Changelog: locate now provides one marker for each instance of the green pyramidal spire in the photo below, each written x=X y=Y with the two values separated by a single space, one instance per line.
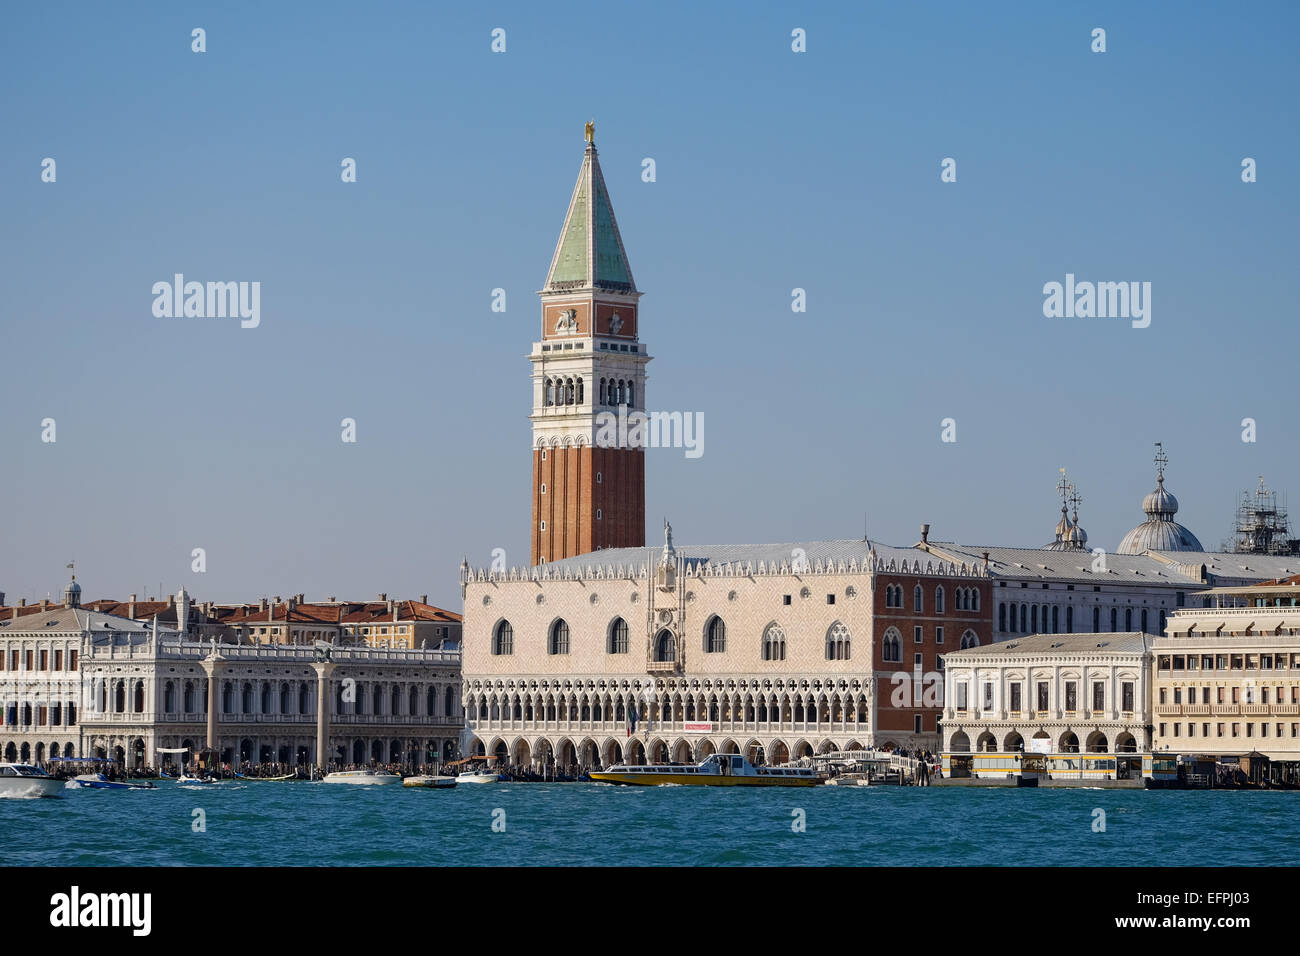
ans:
x=590 y=252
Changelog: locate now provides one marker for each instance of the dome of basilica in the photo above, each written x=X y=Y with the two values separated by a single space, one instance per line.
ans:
x=1160 y=532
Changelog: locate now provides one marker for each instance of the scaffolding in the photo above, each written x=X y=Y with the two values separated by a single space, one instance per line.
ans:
x=1262 y=525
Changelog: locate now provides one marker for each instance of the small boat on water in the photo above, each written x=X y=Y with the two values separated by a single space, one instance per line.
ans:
x=478 y=776
x=187 y=778
x=23 y=781
x=97 y=781
x=849 y=780
x=287 y=776
x=364 y=777
x=715 y=770
x=430 y=782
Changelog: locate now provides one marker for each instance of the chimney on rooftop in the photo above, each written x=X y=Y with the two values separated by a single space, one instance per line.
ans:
x=333 y=599
x=261 y=606
x=22 y=602
x=383 y=596
x=986 y=560
x=45 y=602
x=130 y=608
x=277 y=599
x=925 y=534
x=301 y=597
x=2 y=598
x=424 y=599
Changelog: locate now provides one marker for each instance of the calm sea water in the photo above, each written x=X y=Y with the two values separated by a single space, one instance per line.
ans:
x=260 y=824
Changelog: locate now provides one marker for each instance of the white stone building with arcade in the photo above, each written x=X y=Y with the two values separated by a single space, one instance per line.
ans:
x=774 y=651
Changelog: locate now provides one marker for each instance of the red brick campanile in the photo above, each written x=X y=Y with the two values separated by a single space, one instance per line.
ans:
x=588 y=375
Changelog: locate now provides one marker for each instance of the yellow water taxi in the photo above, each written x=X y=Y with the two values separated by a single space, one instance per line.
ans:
x=716 y=770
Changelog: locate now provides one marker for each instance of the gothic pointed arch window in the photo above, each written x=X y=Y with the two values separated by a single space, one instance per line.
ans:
x=773 y=643
x=918 y=599
x=837 y=642
x=969 y=639
x=630 y=399
x=891 y=645
x=559 y=639
x=618 y=636
x=938 y=599
x=503 y=639
x=580 y=398
x=715 y=636
x=568 y=391
x=665 y=646
x=973 y=599
x=550 y=392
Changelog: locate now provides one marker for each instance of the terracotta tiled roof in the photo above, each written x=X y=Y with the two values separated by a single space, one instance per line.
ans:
x=340 y=612
x=378 y=611
x=336 y=612
x=1282 y=582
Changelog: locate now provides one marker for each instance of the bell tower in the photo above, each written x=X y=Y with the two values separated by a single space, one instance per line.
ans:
x=588 y=373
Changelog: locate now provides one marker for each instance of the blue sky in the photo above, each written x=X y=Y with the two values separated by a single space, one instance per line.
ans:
x=775 y=170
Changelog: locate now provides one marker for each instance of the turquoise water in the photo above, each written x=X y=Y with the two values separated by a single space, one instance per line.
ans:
x=290 y=824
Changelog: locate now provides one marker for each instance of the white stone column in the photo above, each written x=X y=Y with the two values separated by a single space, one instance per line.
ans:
x=323 y=671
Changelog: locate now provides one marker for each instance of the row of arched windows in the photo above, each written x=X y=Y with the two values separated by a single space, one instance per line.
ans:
x=617 y=392
x=965 y=599
x=296 y=698
x=715 y=640
x=764 y=708
x=891 y=645
x=564 y=391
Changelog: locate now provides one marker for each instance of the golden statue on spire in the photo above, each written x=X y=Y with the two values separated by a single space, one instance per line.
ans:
x=590 y=132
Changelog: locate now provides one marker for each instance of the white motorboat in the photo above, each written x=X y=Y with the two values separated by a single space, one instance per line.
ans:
x=23 y=781
x=478 y=776
x=187 y=778
x=430 y=782
x=363 y=777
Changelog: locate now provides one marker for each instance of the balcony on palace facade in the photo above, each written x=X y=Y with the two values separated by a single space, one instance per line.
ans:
x=271 y=653
x=232 y=719
x=675 y=726
x=1228 y=710
x=661 y=667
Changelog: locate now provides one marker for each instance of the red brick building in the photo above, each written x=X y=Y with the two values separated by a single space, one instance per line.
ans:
x=916 y=618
